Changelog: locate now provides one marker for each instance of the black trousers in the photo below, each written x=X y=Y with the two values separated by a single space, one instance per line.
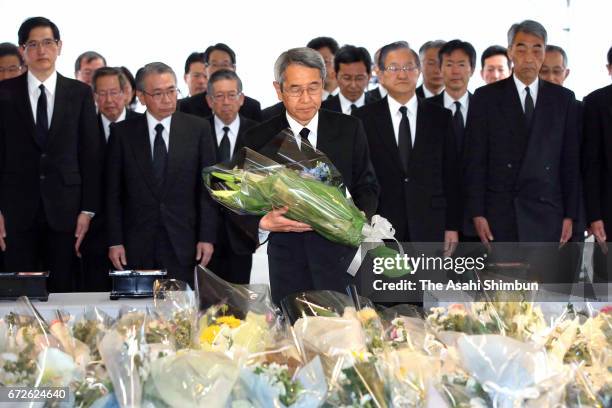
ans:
x=40 y=248
x=95 y=263
x=231 y=267
x=164 y=257
x=307 y=261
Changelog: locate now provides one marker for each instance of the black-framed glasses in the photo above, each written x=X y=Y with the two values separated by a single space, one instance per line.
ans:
x=47 y=43
x=394 y=69
x=109 y=94
x=158 y=95
x=11 y=69
x=298 y=91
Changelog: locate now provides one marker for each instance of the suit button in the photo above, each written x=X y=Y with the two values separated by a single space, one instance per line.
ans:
x=162 y=206
x=44 y=155
x=42 y=176
x=509 y=165
x=547 y=168
x=542 y=199
x=406 y=180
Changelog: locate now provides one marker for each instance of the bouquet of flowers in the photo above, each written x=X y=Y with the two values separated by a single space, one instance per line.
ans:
x=175 y=303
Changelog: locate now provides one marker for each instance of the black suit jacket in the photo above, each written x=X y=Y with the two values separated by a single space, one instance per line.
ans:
x=197 y=105
x=333 y=103
x=135 y=205
x=373 y=95
x=439 y=99
x=424 y=201
x=524 y=181
x=63 y=175
x=240 y=231
x=271 y=111
x=129 y=114
x=419 y=91
x=597 y=161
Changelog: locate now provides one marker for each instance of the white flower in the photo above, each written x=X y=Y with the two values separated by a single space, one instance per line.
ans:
x=12 y=357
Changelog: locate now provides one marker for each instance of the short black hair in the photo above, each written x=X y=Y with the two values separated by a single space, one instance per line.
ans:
x=492 y=51
x=398 y=45
x=322 y=42
x=87 y=56
x=220 y=75
x=108 y=71
x=454 y=45
x=130 y=78
x=610 y=56
x=7 y=49
x=348 y=54
x=193 y=58
x=219 y=47
x=556 y=48
x=33 y=22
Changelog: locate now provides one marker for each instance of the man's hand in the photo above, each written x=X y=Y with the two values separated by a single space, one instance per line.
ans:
x=204 y=251
x=81 y=229
x=483 y=231
x=276 y=222
x=451 y=239
x=566 y=232
x=117 y=256
x=599 y=232
x=2 y=233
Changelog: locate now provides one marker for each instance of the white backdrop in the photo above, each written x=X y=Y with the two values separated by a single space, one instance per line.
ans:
x=132 y=33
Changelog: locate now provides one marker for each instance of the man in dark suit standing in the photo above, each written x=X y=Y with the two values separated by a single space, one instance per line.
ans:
x=218 y=56
x=236 y=241
x=353 y=67
x=522 y=151
x=108 y=84
x=49 y=161
x=159 y=213
x=433 y=83
x=300 y=259
x=413 y=151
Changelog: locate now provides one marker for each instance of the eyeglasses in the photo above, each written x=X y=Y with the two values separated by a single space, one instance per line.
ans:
x=47 y=43
x=221 y=65
x=230 y=96
x=394 y=69
x=158 y=95
x=297 y=91
x=109 y=94
x=13 y=69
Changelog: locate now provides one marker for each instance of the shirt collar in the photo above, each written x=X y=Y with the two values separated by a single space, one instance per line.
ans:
x=520 y=86
x=345 y=104
x=34 y=83
x=394 y=105
x=234 y=126
x=450 y=102
x=383 y=91
x=296 y=127
x=106 y=121
x=152 y=122
x=428 y=93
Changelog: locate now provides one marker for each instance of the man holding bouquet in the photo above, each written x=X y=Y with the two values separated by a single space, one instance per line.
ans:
x=300 y=259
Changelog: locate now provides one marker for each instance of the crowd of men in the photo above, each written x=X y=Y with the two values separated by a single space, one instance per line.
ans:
x=87 y=184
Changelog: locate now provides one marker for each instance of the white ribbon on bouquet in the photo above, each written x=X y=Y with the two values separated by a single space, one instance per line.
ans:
x=375 y=232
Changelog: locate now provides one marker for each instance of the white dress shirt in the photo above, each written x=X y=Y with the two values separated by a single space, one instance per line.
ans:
x=326 y=94
x=449 y=103
x=296 y=128
x=234 y=127
x=34 y=93
x=383 y=91
x=345 y=104
x=152 y=122
x=396 y=115
x=533 y=90
x=107 y=122
x=428 y=93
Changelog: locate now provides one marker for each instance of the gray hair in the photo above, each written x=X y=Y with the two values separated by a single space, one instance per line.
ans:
x=527 y=27
x=152 y=68
x=221 y=75
x=394 y=46
x=108 y=71
x=304 y=56
x=437 y=44
x=556 y=48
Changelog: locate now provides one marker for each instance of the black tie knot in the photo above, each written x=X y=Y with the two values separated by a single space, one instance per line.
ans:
x=225 y=130
x=159 y=128
x=304 y=133
x=41 y=87
x=403 y=110
x=353 y=107
x=457 y=106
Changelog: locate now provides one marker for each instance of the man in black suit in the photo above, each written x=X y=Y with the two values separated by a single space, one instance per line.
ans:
x=554 y=68
x=195 y=76
x=300 y=259
x=271 y=111
x=49 y=161
x=236 y=241
x=218 y=56
x=522 y=150
x=353 y=67
x=413 y=151
x=433 y=83
x=327 y=47
x=457 y=64
x=11 y=62
x=108 y=84
x=379 y=92
x=159 y=213
x=495 y=64
x=86 y=64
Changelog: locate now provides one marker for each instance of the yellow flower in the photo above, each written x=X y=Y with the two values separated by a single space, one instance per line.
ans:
x=366 y=314
x=209 y=334
x=231 y=321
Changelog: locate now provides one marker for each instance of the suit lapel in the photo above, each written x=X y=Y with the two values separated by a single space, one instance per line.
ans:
x=178 y=149
x=62 y=99
x=513 y=111
x=141 y=148
x=24 y=107
x=420 y=130
x=386 y=131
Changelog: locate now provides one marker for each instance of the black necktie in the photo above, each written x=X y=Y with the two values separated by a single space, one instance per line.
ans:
x=306 y=143
x=404 y=138
x=353 y=108
x=224 y=147
x=160 y=155
x=529 y=108
x=459 y=125
x=42 y=122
